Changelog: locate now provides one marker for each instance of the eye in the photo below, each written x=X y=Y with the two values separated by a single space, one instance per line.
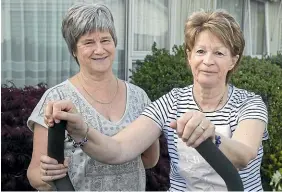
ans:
x=105 y=41
x=88 y=43
x=219 y=53
x=200 y=51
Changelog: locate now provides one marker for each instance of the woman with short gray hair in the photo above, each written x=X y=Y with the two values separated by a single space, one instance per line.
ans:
x=104 y=101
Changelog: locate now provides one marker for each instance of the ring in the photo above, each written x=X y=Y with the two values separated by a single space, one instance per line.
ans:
x=203 y=127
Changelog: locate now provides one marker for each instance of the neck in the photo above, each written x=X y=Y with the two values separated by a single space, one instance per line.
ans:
x=209 y=98
x=100 y=81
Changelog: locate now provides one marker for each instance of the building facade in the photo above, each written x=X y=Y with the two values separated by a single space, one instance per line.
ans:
x=34 y=51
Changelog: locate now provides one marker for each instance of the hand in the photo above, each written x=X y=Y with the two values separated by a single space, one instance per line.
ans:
x=56 y=111
x=50 y=170
x=193 y=128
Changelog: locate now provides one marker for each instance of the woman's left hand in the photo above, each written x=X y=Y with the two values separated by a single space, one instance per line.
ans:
x=193 y=128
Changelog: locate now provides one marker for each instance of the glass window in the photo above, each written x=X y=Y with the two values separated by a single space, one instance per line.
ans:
x=258 y=28
x=151 y=20
x=33 y=49
x=234 y=7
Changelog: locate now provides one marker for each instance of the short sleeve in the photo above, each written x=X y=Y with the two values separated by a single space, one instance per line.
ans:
x=146 y=100
x=255 y=108
x=37 y=115
x=161 y=109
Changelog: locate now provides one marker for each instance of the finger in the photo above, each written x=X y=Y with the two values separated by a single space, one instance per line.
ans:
x=52 y=178
x=199 y=130
x=48 y=114
x=48 y=160
x=66 y=161
x=182 y=121
x=67 y=116
x=54 y=172
x=209 y=133
x=191 y=125
x=173 y=124
x=64 y=105
x=48 y=167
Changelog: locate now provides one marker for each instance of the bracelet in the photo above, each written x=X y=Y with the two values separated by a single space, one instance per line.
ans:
x=82 y=142
x=217 y=140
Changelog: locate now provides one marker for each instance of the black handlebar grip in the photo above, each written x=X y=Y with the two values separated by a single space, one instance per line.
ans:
x=219 y=162
x=56 y=137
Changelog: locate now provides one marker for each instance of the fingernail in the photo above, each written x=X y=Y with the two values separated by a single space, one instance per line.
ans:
x=57 y=121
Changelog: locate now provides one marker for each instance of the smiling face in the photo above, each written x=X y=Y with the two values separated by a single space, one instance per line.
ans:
x=210 y=60
x=95 y=52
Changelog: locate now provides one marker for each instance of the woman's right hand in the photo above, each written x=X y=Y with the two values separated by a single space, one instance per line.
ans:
x=56 y=111
x=51 y=170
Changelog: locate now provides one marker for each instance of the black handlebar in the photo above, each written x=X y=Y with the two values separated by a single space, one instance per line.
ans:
x=56 y=137
x=219 y=162
x=207 y=149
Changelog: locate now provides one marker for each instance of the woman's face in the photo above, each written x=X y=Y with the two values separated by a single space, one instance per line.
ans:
x=210 y=60
x=96 y=52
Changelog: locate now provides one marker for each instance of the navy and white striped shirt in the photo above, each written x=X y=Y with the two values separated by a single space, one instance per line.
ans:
x=241 y=105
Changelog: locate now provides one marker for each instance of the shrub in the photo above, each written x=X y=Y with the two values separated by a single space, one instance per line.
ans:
x=17 y=105
x=275 y=59
x=162 y=71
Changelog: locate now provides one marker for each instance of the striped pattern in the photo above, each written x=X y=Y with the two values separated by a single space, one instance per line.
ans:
x=241 y=105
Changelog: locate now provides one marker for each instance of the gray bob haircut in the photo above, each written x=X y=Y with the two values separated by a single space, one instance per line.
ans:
x=83 y=18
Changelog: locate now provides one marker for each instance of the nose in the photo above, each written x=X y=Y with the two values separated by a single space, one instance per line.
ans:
x=98 y=48
x=208 y=59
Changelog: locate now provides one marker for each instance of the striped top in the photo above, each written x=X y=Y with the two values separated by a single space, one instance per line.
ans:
x=195 y=173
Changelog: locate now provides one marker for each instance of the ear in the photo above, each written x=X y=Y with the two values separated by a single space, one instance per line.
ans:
x=234 y=61
x=73 y=54
x=188 y=53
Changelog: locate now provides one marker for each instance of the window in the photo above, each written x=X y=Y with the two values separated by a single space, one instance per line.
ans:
x=150 y=24
x=258 y=28
x=33 y=50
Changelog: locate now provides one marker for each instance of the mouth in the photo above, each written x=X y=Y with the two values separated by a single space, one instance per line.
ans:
x=99 y=59
x=208 y=72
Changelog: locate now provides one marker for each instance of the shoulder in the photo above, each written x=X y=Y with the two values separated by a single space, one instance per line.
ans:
x=178 y=93
x=58 y=91
x=242 y=97
x=134 y=87
x=135 y=90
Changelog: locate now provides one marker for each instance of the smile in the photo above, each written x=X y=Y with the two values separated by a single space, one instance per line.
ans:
x=99 y=59
x=209 y=72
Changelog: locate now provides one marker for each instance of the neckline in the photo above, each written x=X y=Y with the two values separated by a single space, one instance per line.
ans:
x=74 y=88
x=229 y=95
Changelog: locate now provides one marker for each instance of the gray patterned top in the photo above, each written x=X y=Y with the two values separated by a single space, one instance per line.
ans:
x=86 y=173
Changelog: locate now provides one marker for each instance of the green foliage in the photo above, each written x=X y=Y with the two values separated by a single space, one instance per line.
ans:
x=275 y=59
x=162 y=71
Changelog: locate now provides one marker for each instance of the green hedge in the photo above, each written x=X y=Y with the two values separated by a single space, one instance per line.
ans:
x=162 y=71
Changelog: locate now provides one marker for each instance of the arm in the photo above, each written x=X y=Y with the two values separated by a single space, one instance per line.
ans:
x=124 y=146
x=39 y=146
x=150 y=157
x=39 y=161
x=245 y=142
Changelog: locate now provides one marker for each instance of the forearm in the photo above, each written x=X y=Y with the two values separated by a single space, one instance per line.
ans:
x=33 y=175
x=238 y=153
x=101 y=147
x=124 y=146
x=150 y=157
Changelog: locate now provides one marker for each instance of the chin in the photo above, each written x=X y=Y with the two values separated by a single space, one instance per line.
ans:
x=208 y=83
